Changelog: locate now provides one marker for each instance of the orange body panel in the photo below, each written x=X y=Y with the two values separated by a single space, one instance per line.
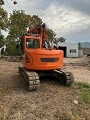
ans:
x=35 y=57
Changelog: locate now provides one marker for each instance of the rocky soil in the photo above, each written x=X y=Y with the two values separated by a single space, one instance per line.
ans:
x=50 y=102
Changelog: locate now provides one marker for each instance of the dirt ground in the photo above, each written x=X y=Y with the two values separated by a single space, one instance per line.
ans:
x=50 y=102
x=80 y=67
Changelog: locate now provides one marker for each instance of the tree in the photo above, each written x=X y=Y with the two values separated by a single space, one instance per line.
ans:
x=3 y=19
x=79 y=46
x=11 y=49
x=51 y=34
x=1 y=2
x=3 y=22
x=61 y=39
x=35 y=20
x=2 y=41
x=18 y=22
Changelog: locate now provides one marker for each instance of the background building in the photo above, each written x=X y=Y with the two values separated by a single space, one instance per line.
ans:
x=70 y=49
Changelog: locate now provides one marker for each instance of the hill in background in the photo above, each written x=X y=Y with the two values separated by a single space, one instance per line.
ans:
x=85 y=44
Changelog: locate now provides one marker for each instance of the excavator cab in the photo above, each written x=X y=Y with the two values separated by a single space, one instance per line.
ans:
x=38 y=57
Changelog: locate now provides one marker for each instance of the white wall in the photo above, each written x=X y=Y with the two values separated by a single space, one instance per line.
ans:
x=80 y=53
x=69 y=46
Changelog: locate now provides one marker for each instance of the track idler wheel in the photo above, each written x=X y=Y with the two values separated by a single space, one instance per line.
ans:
x=66 y=79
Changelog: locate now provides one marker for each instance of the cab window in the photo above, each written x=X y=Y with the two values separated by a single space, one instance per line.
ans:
x=32 y=43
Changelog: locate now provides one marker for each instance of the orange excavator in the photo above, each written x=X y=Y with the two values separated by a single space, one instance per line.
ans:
x=40 y=59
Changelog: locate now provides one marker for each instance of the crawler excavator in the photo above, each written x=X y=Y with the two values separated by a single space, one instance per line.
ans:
x=39 y=59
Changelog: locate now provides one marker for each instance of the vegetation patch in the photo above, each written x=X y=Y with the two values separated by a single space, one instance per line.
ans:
x=85 y=91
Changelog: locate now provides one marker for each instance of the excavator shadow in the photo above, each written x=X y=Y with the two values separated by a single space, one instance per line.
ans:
x=49 y=80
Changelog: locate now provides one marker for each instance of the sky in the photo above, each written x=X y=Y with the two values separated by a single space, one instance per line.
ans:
x=67 y=18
